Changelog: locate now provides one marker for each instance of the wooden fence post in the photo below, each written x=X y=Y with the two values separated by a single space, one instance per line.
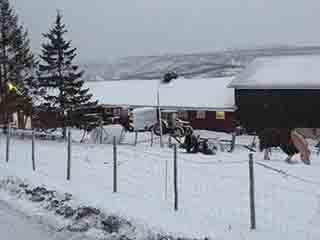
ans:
x=175 y=177
x=233 y=142
x=114 y=164
x=33 y=151
x=252 y=194
x=136 y=138
x=69 y=156
x=8 y=143
x=101 y=132
x=151 y=132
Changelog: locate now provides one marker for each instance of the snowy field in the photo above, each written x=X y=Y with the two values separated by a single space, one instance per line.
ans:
x=213 y=190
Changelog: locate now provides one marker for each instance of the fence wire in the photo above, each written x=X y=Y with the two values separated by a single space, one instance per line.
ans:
x=166 y=156
x=214 y=163
x=287 y=174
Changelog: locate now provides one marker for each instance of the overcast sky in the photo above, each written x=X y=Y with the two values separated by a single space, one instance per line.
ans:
x=103 y=29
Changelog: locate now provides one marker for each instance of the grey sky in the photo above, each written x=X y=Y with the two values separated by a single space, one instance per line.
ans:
x=103 y=29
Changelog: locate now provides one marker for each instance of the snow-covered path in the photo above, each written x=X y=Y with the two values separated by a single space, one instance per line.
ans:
x=16 y=226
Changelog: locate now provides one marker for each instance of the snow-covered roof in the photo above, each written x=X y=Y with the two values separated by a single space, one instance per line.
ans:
x=203 y=94
x=290 y=72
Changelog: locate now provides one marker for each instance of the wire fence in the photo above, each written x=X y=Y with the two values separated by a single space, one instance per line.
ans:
x=287 y=174
x=128 y=157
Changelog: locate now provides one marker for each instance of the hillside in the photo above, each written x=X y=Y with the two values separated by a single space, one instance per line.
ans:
x=209 y=65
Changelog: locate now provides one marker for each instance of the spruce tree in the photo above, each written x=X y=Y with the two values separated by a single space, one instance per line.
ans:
x=23 y=75
x=16 y=63
x=23 y=72
x=59 y=75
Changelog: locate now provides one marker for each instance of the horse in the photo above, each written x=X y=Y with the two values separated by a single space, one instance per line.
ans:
x=290 y=140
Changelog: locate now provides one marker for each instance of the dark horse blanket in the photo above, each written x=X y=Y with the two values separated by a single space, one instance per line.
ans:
x=277 y=137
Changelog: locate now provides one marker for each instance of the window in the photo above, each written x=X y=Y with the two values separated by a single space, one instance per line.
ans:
x=201 y=115
x=220 y=115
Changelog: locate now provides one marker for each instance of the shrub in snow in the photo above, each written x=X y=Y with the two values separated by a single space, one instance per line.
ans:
x=65 y=211
x=121 y=237
x=166 y=238
x=36 y=198
x=41 y=191
x=65 y=197
x=112 y=224
x=85 y=212
x=83 y=218
x=22 y=185
x=78 y=227
x=53 y=204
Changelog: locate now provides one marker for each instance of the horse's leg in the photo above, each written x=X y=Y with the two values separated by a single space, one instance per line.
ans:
x=302 y=145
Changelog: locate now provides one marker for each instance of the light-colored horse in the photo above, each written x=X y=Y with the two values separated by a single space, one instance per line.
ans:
x=299 y=136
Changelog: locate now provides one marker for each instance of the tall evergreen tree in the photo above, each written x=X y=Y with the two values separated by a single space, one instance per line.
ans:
x=23 y=72
x=16 y=61
x=59 y=75
x=23 y=75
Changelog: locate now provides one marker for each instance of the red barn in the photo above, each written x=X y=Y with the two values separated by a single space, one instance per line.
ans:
x=279 y=92
x=206 y=103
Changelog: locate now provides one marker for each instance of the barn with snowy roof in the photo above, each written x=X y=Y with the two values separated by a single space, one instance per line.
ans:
x=279 y=92
x=206 y=103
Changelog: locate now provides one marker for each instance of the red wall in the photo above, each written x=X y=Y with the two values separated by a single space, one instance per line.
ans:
x=211 y=123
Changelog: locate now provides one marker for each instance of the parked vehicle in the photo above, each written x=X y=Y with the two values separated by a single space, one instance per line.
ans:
x=171 y=124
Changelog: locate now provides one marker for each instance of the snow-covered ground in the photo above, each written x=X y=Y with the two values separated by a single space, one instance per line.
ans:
x=213 y=190
x=16 y=226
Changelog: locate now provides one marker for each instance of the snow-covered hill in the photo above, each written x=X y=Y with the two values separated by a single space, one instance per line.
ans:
x=208 y=65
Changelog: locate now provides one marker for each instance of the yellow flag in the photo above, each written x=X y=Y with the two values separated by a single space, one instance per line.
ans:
x=13 y=88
